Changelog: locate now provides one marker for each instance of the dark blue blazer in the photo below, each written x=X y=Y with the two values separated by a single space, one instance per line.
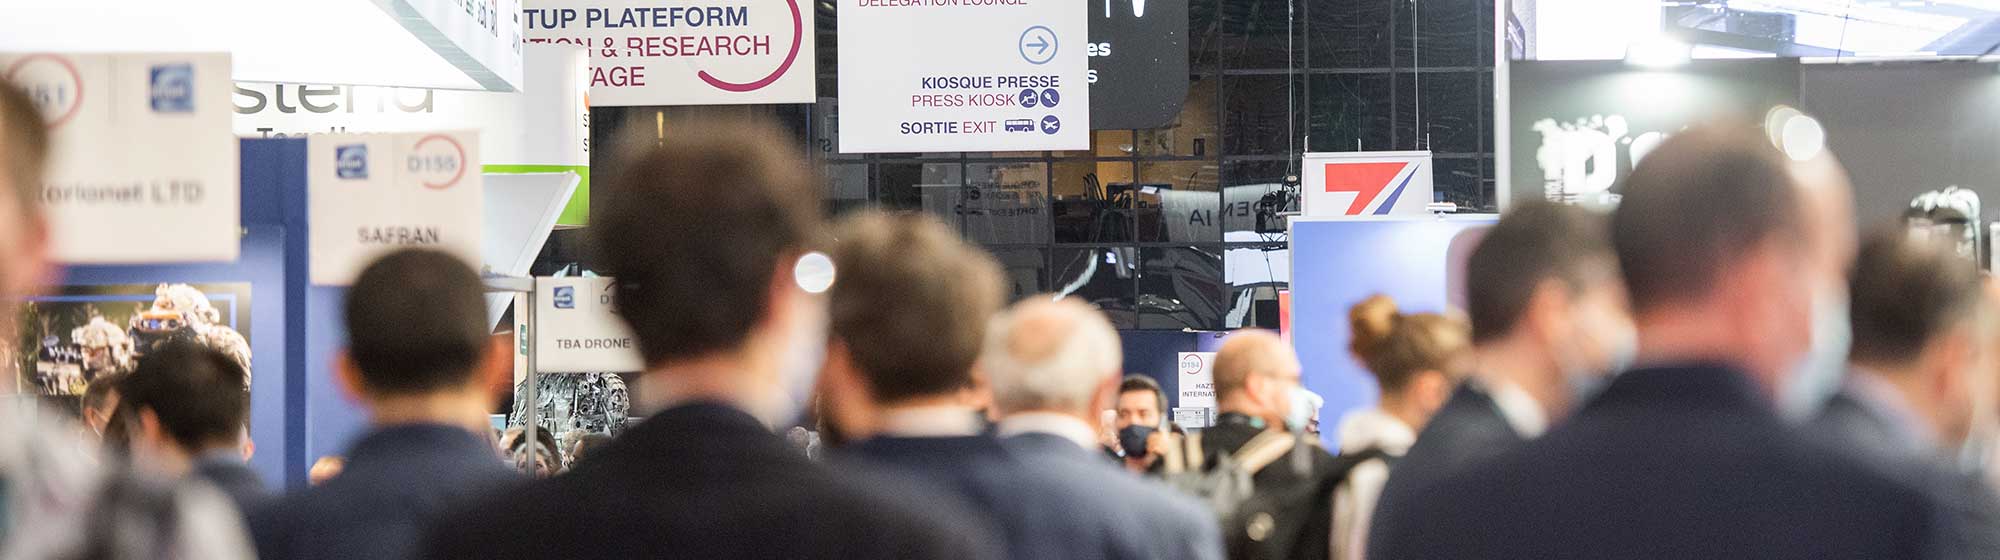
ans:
x=1679 y=462
x=397 y=480
x=1050 y=499
x=706 y=480
x=227 y=473
x=1972 y=510
x=1467 y=431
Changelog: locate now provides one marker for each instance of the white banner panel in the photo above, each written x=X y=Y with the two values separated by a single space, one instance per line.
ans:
x=144 y=169
x=963 y=75
x=374 y=193
x=481 y=37
x=1351 y=184
x=685 y=52
x=1197 y=380
x=577 y=327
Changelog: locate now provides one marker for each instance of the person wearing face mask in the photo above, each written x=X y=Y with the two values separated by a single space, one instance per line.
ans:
x=1141 y=416
x=1548 y=323
x=707 y=234
x=1726 y=244
x=1416 y=360
x=1256 y=388
x=1918 y=372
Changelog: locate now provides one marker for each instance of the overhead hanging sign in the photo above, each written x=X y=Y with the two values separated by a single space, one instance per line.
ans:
x=545 y=129
x=1138 y=63
x=686 y=52
x=1196 y=371
x=480 y=37
x=370 y=194
x=577 y=327
x=964 y=75
x=1354 y=184
x=143 y=167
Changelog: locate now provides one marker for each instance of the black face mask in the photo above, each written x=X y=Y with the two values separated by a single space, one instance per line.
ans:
x=1133 y=439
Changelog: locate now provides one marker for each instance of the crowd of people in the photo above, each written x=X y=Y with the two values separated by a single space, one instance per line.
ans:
x=1717 y=369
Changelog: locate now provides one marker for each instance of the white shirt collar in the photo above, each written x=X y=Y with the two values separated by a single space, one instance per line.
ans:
x=1519 y=408
x=931 y=421
x=1068 y=427
x=1371 y=427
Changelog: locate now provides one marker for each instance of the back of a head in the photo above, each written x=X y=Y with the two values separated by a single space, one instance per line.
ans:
x=1396 y=346
x=1695 y=206
x=912 y=303
x=416 y=323
x=197 y=392
x=1245 y=353
x=24 y=148
x=1050 y=355
x=695 y=227
x=1535 y=242
x=1904 y=293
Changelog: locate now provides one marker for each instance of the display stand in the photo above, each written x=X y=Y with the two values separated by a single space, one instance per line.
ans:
x=523 y=289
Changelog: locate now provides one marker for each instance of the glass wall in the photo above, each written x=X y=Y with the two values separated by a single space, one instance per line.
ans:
x=1176 y=227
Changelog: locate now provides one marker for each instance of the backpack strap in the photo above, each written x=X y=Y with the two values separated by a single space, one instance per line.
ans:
x=1263 y=450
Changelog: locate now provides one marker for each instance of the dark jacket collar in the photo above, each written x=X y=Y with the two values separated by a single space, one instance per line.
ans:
x=1692 y=385
x=397 y=442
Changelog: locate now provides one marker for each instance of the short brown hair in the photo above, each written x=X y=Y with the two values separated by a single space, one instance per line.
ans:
x=1536 y=241
x=1699 y=202
x=912 y=302
x=24 y=146
x=1135 y=382
x=1397 y=346
x=1904 y=293
x=694 y=228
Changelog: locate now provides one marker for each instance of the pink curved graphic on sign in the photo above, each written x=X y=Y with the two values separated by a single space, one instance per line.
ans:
x=798 y=36
x=461 y=160
x=76 y=79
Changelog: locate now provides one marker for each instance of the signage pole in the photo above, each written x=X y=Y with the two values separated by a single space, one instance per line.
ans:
x=532 y=416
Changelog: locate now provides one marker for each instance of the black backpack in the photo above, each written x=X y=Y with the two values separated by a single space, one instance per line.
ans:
x=1294 y=522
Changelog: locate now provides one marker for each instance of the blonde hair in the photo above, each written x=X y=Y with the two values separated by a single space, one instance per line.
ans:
x=1396 y=346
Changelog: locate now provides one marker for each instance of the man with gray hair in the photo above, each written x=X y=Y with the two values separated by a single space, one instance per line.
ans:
x=1053 y=365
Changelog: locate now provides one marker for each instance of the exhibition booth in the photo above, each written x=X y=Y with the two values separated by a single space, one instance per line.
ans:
x=211 y=188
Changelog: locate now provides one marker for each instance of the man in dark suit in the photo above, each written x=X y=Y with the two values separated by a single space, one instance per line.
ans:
x=188 y=404
x=1053 y=365
x=1730 y=250
x=1548 y=321
x=419 y=359
x=1911 y=397
x=707 y=235
x=903 y=348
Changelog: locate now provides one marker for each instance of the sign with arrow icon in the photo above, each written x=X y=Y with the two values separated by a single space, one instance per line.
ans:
x=964 y=75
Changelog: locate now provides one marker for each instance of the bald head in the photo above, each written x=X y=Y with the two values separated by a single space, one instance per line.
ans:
x=1044 y=355
x=1254 y=373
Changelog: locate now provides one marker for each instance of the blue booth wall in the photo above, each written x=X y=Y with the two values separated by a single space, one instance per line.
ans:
x=1336 y=264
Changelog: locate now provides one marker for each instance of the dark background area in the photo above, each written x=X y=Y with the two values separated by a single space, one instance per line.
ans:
x=1353 y=75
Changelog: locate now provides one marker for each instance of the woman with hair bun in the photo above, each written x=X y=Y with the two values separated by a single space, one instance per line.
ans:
x=1416 y=359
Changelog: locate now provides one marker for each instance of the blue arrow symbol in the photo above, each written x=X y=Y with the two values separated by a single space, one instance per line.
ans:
x=1041 y=45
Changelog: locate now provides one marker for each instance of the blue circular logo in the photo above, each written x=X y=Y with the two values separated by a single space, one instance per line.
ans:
x=1038 y=45
x=1051 y=124
x=1050 y=98
x=1029 y=99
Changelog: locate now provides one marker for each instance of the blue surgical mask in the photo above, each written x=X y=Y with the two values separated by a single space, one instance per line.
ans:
x=1818 y=374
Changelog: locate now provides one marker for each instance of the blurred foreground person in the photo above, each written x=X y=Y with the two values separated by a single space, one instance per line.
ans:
x=904 y=345
x=1416 y=359
x=1919 y=373
x=1733 y=258
x=80 y=508
x=187 y=405
x=1548 y=323
x=1053 y=366
x=705 y=232
x=420 y=362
